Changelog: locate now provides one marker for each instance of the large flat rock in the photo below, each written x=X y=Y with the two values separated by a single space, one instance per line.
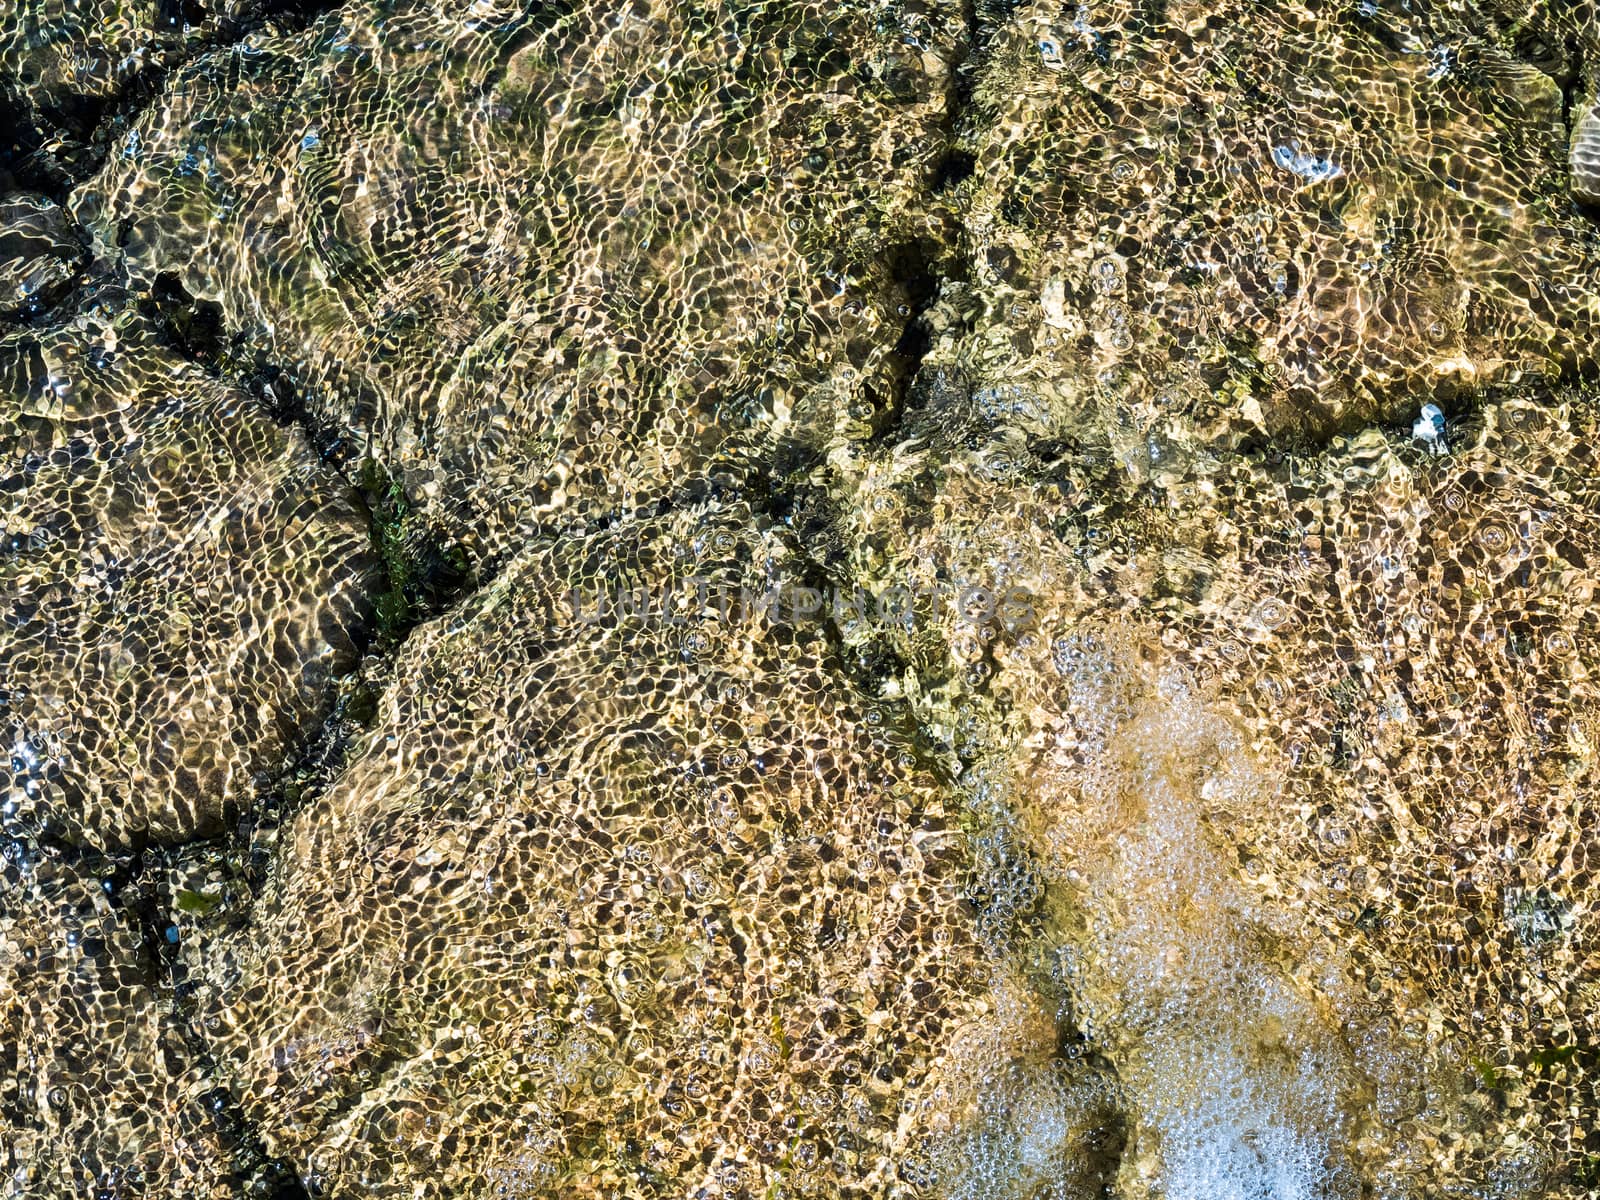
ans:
x=1302 y=748
x=1215 y=226
x=651 y=903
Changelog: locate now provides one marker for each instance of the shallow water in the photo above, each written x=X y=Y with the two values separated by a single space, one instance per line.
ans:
x=790 y=599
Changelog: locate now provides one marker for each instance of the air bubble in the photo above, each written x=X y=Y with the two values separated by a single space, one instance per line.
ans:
x=1272 y=613
x=1493 y=537
x=1559 y=644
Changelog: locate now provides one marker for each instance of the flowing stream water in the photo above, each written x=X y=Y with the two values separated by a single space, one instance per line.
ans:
x=950 y=599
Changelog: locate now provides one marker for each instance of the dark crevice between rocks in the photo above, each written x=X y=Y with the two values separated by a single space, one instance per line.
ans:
x=955 y=168
x=914 y=268
x=924 y=272
x=914 y=271
x=256 y=1173
x=192 y=328
x=175 y=14
x=25 y=163
x=984 y=19
x=309 y=770
x=421 y=576
x=919 y=267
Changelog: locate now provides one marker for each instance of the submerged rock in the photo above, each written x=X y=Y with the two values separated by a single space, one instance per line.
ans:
x=546 y=264
x=100 y=1092
x=1228 y=224
x=644 y=899
x=40 y=255
x=1300 y=747
x=71 y=55
x=1182 y=793
x=181 y=580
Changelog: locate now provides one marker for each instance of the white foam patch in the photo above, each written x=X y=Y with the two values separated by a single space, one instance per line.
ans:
x=1023 y=1122
x=1238 y=1164
x=1236 y=1085
x=1225 y=1129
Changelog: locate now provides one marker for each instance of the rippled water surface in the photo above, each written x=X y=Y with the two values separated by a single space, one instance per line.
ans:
x=907 y=598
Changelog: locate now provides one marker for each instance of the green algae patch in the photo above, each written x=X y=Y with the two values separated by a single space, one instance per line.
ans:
x=420 y=577
x=395 y=607
x=197 y=904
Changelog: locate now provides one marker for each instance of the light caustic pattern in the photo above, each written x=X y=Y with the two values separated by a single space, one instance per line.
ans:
x=1208 y=818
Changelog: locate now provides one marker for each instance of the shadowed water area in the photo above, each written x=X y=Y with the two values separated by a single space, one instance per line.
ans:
x=890 y=598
